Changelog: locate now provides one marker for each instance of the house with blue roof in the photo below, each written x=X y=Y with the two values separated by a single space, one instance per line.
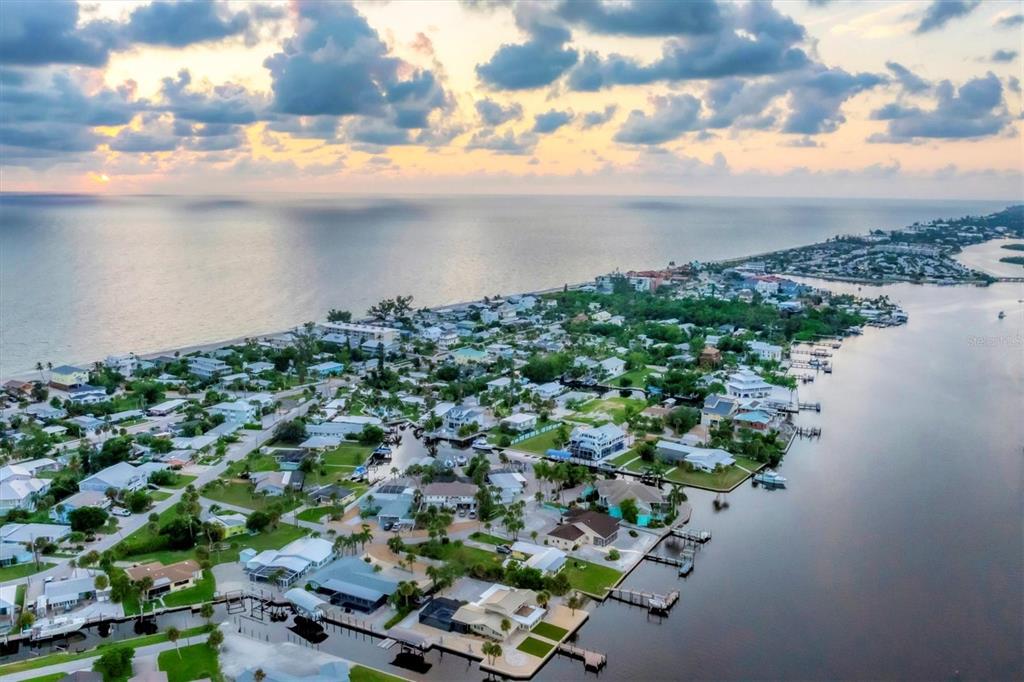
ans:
x=353 y=583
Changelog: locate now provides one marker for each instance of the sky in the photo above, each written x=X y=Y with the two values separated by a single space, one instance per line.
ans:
x=813 y=98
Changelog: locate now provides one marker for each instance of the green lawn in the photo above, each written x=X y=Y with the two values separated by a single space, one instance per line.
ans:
x=615 y=408
x=240 y=494
x=590 y=578
x=621 y=460
x=535 y=647
x=195 y=662
x=719 y=481
x=360 y=673
x=201 y=592
x=348 y=455
x=180 y=481
x=539 y=444
x=256 y=462
x=314 y=514
x=57 y=659
x=21 y=570
x=458 y=553
x=638 y=377
x=159 y=495
x=552 y=632
x=488 y=538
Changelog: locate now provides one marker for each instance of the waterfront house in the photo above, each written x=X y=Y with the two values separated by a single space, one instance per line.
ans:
x=306 y=604
x=520 y=422
x=593 y=443
x=650 y=503
x=17 y=389
x=704 y=459
x=612 y=367
x=125 y=365
x=87 y=394
x=467 y=415
x=747 y=384
x=756 y=420
x=290 y=562
x=440 y=613
x=64 y=595
x=549 y=391
x=66 y=376
x=547 y=560
x=352 y=583
x=499 y=603
x=584 y=527
x=166 y=579
x=766 y=351
x=370 y=336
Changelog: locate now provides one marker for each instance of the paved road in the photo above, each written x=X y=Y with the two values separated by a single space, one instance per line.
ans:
x=86 y=663
x=250 y=440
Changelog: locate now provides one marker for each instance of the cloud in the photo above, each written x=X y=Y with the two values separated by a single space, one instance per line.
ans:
x=493 y=114
x=551 y=120
x=539 y=61
x=508 y=143
x=752 y=40
x=37 y=33
x=227 y=103
x=816 y=98
x=1009 y=21
x=974 y=110
x=635 y=18
x=940 y=12
x=593 y=119
x=337 y=65
x=1003 y=56
x=672 y=116
x=182 y=23
x=910 y=81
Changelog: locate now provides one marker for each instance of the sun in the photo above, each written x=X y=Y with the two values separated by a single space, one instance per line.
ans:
x=100 y=178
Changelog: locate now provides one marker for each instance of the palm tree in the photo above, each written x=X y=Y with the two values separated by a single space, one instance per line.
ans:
x=39 y=368
x=574 y=602
x=215 y=639
x=206 y=611
x=259 y=675
x=506 y=625
x=173 y=635
x=543 y=598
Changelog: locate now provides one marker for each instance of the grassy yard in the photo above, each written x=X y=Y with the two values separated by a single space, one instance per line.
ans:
x=539 y=444
x=48 y=678
x=180 y=481
x=314 y=514
x=637 y=377
x=348 y=455
x=535 y=647
x=256 y=462
x=195 y=662
x=240 y=494
x=488 y=538
x=552 y=632
x=456 y=552
x=201 y=592
x=57 y=659
x=719 y=481
x=360 y=673
x=615 y=408
x=590 y=578
x=21 y=570
x=159 y=495
x=621 y=460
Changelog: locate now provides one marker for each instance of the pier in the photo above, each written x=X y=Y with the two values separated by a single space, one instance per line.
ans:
x=693 y=535
x=654 y=603
x=592 y=660
x=808 y=432
x=814 y=407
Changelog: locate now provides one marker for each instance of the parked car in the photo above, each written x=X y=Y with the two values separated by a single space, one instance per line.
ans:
x=503 y=549
x=120 y=511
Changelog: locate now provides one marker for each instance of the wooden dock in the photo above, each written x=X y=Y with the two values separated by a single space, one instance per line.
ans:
x=692 y=535
x=655 y=603
x=813 y=407
x=593 y=660
x=808 y=432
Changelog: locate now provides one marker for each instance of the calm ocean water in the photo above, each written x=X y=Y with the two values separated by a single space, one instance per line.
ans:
x=897 y=552
x=82 y=277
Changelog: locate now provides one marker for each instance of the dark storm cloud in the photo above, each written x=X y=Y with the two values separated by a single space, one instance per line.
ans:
x=37 y=33
x=973 y=110
x=642 y=18
x=940 y=12
x=551 y=120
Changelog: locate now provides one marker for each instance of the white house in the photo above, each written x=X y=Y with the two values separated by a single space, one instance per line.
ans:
x=19 y=487
x=747 y=384
x=705 y=459
x=239 y=411
x=453 y=495
x=612 y=367
x=462 y=415
x=766 y=351
x=296 y=558
x=597 y=442
x=125 y=365
x=521 y=422
x=207 y=368
x=549 y=391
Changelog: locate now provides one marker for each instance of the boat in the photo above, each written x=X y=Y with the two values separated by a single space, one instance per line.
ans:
x=686 y=567
x=383 y=452
x=770 y=478
x=1002 y=314
x=481 y=445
